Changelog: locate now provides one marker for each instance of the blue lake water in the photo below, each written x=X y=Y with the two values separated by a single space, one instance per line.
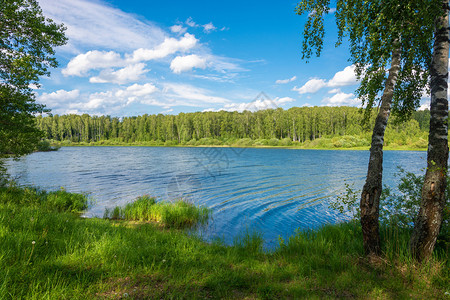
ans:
x=272 y=191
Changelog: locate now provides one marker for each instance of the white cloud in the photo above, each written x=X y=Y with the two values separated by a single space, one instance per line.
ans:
x=59 y=98
x=334 y=91
x=186 y=63
x=129 y=73
x=344 y=77
x=81 y=64
x=137 y=90
x=259 y=104
x=209 y=27
x=341 y=99
x=284 y=100
x=283 y=81
x=425 y=105
x=223 y=65
x=190 y=95
x=178 y=29
x=95 y=24
x=191 y=22
x=169 y=46
x=312 y=86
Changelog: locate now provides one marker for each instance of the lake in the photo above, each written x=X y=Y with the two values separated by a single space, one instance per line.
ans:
x=272 y=191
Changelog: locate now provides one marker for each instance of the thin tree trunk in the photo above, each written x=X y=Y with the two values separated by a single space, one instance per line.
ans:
x=429 y=219
x=370 y=196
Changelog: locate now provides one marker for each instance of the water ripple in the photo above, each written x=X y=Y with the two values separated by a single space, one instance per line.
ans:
x=273 y=191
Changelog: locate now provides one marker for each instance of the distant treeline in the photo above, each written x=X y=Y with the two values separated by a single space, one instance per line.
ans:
x=297 y=124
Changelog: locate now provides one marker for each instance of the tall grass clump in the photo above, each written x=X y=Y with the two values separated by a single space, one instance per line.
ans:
x=179 y=214
x=61 y=201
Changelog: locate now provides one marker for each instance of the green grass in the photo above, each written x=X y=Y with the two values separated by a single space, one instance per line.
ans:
x=179 y=214
x=52 y=253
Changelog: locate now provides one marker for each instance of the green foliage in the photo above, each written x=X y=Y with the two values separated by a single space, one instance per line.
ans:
x=334 y=127
x=397 y=210
x=27 y=39
x=348 y=203
x=375 y=29
x=179 y=214
x=45 y=146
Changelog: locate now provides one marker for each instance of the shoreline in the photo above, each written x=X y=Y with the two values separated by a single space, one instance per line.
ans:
x=295 y=147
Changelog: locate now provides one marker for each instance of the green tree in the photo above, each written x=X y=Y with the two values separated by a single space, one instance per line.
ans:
x=27 y=40
x=394 y=35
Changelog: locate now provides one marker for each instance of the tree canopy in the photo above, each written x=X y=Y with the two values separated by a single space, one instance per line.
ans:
x=374 y=29
x=27 y=41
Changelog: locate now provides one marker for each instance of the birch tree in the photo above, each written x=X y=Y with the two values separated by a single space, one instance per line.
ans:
x=394 y=35
x=429 y=218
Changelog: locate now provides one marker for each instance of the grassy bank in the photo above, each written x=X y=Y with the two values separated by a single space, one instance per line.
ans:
x=48 y=251
x=323 y=143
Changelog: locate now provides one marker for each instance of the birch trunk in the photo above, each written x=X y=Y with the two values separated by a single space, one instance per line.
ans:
x=370 y=196
x=429 y=218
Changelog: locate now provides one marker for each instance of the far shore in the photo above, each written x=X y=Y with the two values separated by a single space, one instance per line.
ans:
x=294 y=147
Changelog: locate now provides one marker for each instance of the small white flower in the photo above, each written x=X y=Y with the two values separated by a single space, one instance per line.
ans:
x=33 y=242
x=163 y=260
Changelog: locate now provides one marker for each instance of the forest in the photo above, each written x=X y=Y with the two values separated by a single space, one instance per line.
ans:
x=337 y=126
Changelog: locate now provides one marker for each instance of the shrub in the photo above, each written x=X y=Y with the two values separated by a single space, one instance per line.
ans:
x=285 y=142
x=273 y=142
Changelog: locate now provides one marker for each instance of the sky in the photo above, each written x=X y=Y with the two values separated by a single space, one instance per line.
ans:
x=133 y=57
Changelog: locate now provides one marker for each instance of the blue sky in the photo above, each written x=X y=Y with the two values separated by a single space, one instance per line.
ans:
x=132 y=57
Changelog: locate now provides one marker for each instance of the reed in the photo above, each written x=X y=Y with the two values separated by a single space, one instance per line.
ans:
x=179 y=214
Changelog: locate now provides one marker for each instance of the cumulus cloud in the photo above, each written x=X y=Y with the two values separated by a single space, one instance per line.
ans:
x=58 y=99
x=94 y=24
x=312 y=86
x=169 y=46
x=341 y=99
x=81 y=64
x=262 y=102
x=129 y=73
x=342 y=78
x=283 y=81
x=137 y=90
x=186 y=63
